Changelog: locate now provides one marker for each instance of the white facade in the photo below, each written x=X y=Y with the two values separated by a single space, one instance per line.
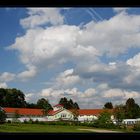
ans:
x=83 y=118
x=63 y=114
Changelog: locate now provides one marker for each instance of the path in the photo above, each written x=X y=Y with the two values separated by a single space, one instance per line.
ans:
x=101 y=130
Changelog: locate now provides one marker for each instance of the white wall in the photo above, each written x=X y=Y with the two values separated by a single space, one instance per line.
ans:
x=68 y=116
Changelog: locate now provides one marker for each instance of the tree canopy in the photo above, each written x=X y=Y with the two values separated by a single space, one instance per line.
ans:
x=68 y=104
x=108 y=105
x=12 y=98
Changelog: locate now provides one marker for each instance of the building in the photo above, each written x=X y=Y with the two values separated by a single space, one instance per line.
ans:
x=58 y=113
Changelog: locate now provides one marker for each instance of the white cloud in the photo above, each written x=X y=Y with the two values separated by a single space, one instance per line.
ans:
x=41 y=16
x=3 y=85
x=66 y=79
x=25 y=75
x=120 y=9
x=121 y=94
x=135 y=61
x=28 y=96
x=6 y=77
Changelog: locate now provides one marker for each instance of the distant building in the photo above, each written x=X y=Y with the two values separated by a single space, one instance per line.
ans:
x=58 y=113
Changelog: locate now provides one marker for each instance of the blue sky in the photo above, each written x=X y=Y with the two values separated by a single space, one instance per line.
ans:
x=88 y=54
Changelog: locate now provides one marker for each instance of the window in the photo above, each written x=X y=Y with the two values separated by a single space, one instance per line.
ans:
x=63 y=115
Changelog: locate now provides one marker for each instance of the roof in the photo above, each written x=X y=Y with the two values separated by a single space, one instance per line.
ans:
x=58 y=105
x=24 y=111
x=52 y=112
x=90 y=111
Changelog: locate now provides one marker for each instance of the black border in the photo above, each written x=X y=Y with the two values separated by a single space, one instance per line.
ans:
x=69 y=3
x=69 y=136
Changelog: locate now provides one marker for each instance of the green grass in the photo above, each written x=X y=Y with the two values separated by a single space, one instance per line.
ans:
x=41 y=128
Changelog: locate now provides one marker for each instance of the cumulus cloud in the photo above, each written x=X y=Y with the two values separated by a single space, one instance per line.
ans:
x=120 y=9
x=41 y=16
x=66 y=79
x=28 y=96
x=25 y=75
x=3 y=85
x=6 y=77
x=59 y=44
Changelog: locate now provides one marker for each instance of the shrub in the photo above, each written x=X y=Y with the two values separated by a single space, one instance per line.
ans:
x=136 y=127
x=9 y=121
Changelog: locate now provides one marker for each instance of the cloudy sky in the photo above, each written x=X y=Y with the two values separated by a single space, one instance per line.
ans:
x=91 y=55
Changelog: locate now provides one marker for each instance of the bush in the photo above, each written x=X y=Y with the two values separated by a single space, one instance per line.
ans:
x=2 y=116
x=9 y=121
x=136 y=127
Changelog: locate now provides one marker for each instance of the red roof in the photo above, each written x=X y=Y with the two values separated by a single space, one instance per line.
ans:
x=90 y=111
x=51 y=112
x=58 y=105
x=24 y=111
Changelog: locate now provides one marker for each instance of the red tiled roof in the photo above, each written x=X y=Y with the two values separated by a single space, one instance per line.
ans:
x=52 y=112
x=58 y=105
x=24 y=111
x=39 y=112
x=90 y=111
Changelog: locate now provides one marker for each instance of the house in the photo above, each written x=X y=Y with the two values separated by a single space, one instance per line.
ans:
x=60 y=113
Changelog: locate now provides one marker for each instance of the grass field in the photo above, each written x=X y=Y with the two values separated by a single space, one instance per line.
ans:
x=41 y=128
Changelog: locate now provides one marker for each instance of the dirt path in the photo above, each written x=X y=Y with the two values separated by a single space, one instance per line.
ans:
x=101 y=130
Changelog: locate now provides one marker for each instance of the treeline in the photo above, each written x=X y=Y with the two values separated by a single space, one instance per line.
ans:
x=129 y=110
x=16 y=98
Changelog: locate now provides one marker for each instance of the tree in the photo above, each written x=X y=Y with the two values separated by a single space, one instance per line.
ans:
x=12 y=98
x=68 y=104
x=119 y=113
x=2 y=116
x=75 y=113
x=108 y=105
x=105 y=117
x=76 y=106
x=45 y=105
x=132 y=109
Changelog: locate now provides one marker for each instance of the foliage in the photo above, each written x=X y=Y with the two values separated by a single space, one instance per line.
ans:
x=68 y=104
x=12 y=98
x=108 y=105
x=45 y=105
x=136 y=127
x=119 y=113
x=2 y=116
x=132 y=109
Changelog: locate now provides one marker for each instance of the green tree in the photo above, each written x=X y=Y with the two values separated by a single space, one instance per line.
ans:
x=119 y=113
x=12 y=98
x=132 y=109
x=76 y=106
x=108 y=105
x=45 y=105
x=2 y=116
x=68 y=104
x=105 y=117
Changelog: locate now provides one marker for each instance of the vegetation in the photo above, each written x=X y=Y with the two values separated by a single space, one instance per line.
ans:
x=68 y=104
x=108 y=105
x=16 y=98
x=17 y=127
x=12 y=98
x=130 y=110
x=2 y=116
x=44 y=104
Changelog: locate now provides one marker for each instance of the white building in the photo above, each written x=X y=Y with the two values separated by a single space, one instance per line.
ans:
x=60 y=113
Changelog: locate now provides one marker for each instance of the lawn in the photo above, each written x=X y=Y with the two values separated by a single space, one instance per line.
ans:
x=40 y=128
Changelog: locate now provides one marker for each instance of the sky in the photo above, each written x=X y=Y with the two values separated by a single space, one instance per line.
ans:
x=90 y=55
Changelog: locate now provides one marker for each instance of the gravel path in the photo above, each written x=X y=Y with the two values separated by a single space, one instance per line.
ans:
x=102 y=130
